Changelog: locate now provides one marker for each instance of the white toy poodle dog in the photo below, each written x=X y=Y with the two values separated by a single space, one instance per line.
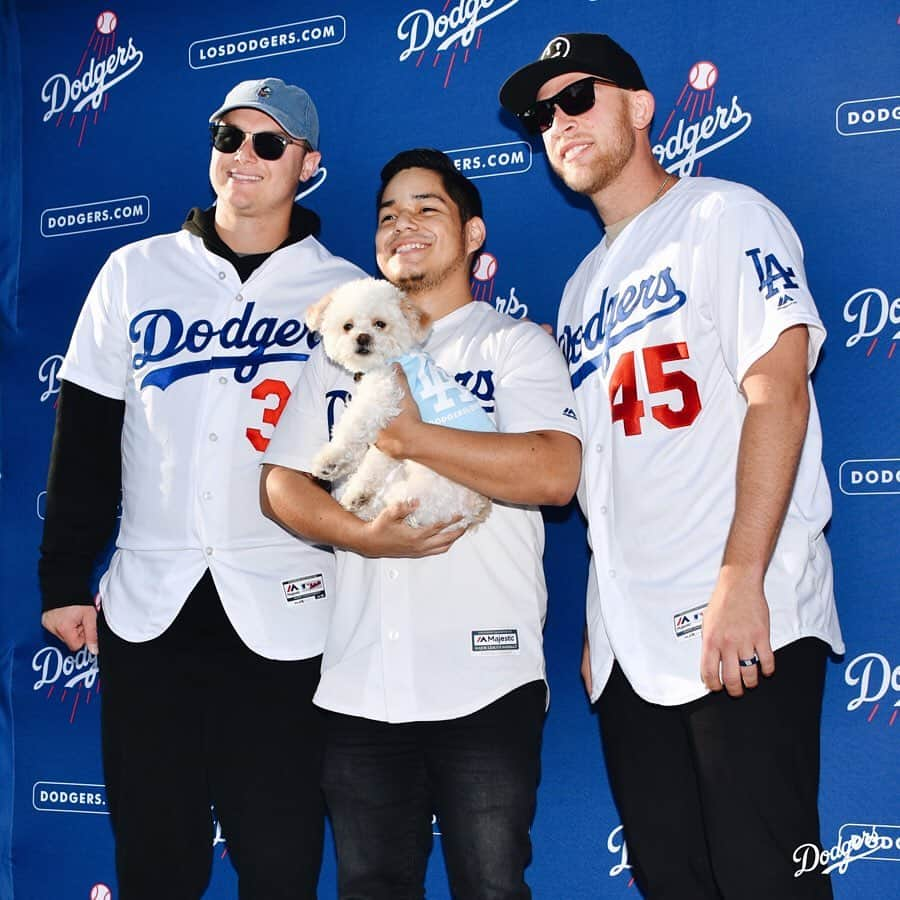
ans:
x=366 y=326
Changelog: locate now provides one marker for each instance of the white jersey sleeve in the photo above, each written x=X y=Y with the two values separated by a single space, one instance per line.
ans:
x=99 y=354
x=757 y=285
x=303 y=427
x=533 y=392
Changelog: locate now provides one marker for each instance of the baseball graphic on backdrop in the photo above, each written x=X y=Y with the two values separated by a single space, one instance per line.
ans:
x=703 y=75
x=107 y=21
x=485 y=267
x=100 y=892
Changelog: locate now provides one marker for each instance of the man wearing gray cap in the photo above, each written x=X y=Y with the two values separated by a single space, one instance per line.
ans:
x=690 y=333
x=212 y=619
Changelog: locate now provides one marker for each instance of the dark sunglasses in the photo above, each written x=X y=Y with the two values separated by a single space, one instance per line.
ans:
x=574 y=99
x=266 y=144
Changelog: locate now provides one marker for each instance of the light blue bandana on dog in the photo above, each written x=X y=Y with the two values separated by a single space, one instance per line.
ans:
x=441 y=399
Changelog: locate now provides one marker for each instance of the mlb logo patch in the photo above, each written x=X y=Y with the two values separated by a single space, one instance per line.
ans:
x=501 y=639
x=299 y=590
x=688 y=623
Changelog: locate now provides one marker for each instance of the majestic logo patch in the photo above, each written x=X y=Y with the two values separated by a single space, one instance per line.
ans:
x=299 y=590
x=688 y=623
x=501 y=639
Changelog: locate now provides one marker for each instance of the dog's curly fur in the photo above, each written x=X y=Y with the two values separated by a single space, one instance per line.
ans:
x=364 y=324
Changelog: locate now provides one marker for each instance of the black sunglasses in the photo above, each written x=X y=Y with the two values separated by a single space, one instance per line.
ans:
x=266 y=144
x=574 y=99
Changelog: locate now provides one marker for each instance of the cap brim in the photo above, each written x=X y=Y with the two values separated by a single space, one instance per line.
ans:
x=519 y=91
x=265 y=109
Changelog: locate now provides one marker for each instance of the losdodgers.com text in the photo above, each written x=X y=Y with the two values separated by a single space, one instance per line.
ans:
x=237 y=48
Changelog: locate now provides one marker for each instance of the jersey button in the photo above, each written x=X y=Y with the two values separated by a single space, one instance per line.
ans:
x=394 y=635
x=221 y=276
x=612 y=573
x=208 y=551
x=207 y=495
x=602 y=510
x=239 y=297
x=392 y=574
x=599 y=448
x=223 y=379
x=213 y=437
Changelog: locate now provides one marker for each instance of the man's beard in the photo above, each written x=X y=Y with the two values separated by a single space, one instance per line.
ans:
x=420 y=282
x=614 y=157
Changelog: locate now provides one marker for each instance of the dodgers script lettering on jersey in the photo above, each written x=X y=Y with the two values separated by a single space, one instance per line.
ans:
x=633 y=307
x=162 y=334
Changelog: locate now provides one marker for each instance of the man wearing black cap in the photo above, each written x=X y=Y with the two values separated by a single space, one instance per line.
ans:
x=212 y=618
x=690 y=334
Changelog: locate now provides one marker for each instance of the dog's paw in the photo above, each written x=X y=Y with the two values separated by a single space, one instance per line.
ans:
x=327 y=464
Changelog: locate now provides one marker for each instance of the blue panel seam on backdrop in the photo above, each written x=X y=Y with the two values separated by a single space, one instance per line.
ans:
x=11 y=153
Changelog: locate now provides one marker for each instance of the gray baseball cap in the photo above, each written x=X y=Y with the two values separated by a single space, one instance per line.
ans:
x=290 y=106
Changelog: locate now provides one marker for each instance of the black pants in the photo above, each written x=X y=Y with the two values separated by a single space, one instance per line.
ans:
x=192 y=719
x=716 y=795
x=479 y=773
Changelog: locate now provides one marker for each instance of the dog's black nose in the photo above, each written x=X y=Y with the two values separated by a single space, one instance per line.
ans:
x=364 y=339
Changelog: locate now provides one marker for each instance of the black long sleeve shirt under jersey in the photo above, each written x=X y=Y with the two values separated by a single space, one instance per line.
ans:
x=84 y=483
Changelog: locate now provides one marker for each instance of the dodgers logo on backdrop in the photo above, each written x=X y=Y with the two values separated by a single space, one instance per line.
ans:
x=855 y=842
x=693 y=128
x=877 y=684
x=873 y=116
x=107 y=60
x=616 y=845
x=484 y=273
x=873 y=314
x=70 y=679
x=457 y=29
x=48 y=374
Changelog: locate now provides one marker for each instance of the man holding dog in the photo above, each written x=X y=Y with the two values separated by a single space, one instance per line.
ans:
x=690 y=334
x=433 y=674
x=179 y=366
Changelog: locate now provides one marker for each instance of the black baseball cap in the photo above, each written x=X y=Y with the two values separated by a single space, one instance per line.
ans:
x=594 y=54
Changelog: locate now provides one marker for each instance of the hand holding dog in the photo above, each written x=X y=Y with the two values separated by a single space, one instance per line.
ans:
x=388 y=534
x=398 y=434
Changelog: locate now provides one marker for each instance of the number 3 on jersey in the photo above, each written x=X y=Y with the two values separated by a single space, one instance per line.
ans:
x=268 y=387
x=628 y=408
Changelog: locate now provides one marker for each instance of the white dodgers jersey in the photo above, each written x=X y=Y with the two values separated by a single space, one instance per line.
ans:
x=659 y=330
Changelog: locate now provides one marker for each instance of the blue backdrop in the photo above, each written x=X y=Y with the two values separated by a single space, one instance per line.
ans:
x=103 y=140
